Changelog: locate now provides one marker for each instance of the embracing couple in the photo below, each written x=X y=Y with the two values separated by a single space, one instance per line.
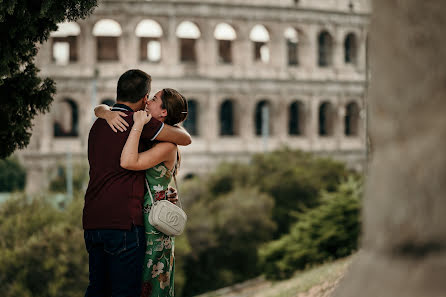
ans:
x=127 y=256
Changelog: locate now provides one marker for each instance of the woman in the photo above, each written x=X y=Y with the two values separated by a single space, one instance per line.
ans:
x=160 y=163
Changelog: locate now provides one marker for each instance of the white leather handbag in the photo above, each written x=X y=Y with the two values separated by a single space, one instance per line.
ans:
x=166 y=217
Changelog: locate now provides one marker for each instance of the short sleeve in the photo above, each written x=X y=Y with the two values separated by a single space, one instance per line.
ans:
x=152 y=129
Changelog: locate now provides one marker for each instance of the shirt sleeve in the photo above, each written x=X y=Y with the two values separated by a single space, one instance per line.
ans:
x=152 y=129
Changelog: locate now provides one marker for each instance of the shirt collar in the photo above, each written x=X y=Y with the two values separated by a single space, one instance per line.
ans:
x=121 y=107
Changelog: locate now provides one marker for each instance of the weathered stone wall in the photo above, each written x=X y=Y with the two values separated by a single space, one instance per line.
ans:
x=246 y=82
x=404 y=240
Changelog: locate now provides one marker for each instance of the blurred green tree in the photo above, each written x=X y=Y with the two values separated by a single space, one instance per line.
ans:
x=36 y=259
x=325 y=233
x=224 y=233
x=12 y=175
x=293 y=178
x=24 y=24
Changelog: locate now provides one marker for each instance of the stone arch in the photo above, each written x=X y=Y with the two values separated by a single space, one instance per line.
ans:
x=292 y=44
x=351 y=49
x=262 y=113
x=325 y=49
x=260 y=36
x=326 y=119
x=66 y=118
x=149 y=33
x=188 y=33
x=107 y=32
x=226 y=116
x=296 y=118
x=225 y=34
x=351 y=120
x=191 y=122
x=64 y=49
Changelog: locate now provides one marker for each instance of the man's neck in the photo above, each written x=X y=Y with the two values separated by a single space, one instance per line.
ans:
x=133 y=106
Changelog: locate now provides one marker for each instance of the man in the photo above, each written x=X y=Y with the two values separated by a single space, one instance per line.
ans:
x=112 y=216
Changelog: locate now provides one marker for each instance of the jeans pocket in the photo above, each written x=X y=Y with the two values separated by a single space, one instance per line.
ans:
x=115 y=241
x=134 y=237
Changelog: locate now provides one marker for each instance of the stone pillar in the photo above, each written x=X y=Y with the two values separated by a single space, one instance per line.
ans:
x=209 y=117
x=87 y=41
x=312 y=111
x=404 y=241
x=277 y=45
x=206 y=47
x=338 y=48
x=129 y=45
x=170 y=45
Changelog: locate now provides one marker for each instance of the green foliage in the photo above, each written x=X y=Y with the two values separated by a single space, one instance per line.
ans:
x=12 y=175
x=293 y=178
x=80 y=178
x=42 y=250
x=327 y=232
x=224 y=233
x=24 y=24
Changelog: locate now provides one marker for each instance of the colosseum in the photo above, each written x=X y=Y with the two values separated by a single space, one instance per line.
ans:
x=258 y=74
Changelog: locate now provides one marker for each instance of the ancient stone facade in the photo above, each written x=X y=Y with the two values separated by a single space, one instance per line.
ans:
x=299 y=66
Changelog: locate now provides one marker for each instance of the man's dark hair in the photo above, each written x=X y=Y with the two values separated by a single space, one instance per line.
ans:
x=133 y=85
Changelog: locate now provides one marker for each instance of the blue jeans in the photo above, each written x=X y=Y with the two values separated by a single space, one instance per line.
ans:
x=115 y=262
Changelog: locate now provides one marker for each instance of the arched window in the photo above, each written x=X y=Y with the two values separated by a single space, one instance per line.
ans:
x=66 y=118
x=351 y=119
x=188 y=33
x=296 y=124
x=325 y=48
x=292 y=39
x=326 y=119
x=260 y=37
x=263 y=123
x=350 y=49
x=227 y=118
x=149 y=33
x=191 y=122
x=109 y=102
x=64 y=43
x=224 y=34
x=107 y=33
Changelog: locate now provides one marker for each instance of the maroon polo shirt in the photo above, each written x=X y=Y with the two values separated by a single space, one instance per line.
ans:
x=114 y=196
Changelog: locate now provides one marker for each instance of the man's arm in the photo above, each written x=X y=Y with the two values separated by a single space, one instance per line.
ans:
x=175 y=134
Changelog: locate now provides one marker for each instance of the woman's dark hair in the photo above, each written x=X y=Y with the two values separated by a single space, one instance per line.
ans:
x=176 y=106
x=133 y=85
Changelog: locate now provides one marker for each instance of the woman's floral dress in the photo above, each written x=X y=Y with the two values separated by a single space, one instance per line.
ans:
x=158 y=269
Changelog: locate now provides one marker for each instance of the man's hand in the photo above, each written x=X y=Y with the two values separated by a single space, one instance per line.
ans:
x=172 y=195
x=115 y=119
x=141 y=117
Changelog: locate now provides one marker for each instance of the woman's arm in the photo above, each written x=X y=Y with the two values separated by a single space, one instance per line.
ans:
x=174 y=134
x=131 y=159
x=114 y=118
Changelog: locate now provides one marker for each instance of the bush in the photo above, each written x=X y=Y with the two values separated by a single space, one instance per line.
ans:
x=12 y=175
x=224 y=234
x=293 y=178
x=58 y=183
x=325 y=233
x=42 y=250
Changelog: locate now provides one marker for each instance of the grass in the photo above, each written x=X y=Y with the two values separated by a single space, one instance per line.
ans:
x=305 y=280
x=317 y=281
